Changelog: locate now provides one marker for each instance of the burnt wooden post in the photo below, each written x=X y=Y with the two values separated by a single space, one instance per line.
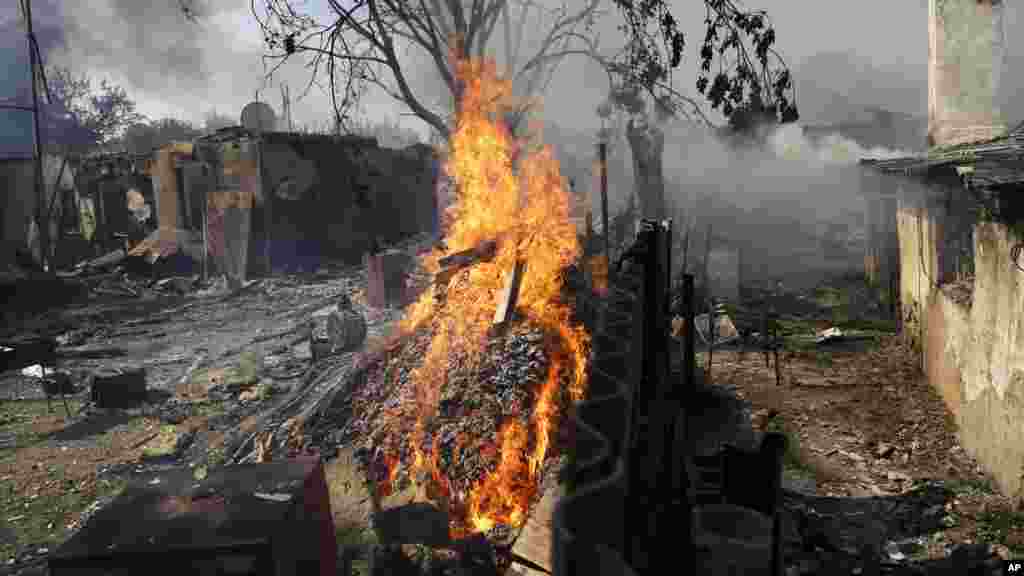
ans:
x=602 y=151
x=707 y=257
x=740 y=272
x=650 y=467
x=711 y=335
x=689 y=342
x=684 y=457
x=668 y=244
x=686 y=247
x=776 y=344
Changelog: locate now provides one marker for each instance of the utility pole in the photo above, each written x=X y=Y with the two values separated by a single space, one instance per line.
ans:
x=44 y=227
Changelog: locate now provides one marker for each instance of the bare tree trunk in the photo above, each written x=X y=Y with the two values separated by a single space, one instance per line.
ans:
x=648 y=175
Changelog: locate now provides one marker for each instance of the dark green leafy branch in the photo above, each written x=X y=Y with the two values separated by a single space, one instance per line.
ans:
x=740 y=72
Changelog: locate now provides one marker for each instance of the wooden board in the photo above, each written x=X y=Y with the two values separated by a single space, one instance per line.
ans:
x=534 y=542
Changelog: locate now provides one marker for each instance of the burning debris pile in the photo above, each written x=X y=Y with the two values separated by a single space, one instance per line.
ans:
x=476 y=399
x=466 y=412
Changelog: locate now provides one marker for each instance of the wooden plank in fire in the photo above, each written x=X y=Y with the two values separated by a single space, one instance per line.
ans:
x=509 y=296
x=452 y=264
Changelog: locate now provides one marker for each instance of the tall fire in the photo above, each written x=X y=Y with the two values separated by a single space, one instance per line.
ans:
x=510 y=194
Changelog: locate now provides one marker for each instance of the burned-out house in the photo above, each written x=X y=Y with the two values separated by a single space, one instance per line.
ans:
x=956 y=215
x=260 y=202
x=105 y=183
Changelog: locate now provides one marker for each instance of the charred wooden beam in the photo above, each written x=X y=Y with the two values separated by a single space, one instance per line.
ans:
x=510 y=295
x=480 y=253
x=452 y=264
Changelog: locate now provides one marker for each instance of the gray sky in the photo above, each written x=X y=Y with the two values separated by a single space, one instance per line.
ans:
x=176 y=68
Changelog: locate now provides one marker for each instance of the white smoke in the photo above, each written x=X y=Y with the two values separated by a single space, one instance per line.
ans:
x=790 y=143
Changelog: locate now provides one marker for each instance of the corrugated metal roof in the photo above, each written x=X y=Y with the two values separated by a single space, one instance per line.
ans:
x=1000 y=159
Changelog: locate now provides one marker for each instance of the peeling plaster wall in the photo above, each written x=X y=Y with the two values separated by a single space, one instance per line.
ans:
x=991 y=358
x=918 y=231
x=973 y=354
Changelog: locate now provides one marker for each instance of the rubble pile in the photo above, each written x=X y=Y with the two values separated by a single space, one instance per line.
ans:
x=479 y=395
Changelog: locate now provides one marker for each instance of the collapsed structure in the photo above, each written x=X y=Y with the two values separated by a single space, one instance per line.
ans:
x=239 y=202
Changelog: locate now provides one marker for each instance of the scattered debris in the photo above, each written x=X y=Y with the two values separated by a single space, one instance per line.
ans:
x=34 y=371
x=178 y=284
x=106 y=261
x=273 y=497
x=337 y=328
x=829 y=335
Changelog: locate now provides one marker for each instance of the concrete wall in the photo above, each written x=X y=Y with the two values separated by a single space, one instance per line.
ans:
x=972 y=351
x=965 y=52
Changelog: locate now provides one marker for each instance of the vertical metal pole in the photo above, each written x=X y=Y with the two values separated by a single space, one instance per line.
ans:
x=44 y=227
x=686 y=246
x=707 y=256
x=206 y=236
x=602 y=150
x=689 y=354
x=667 y=308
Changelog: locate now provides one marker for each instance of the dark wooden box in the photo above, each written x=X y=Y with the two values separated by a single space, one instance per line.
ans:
x=118 y=388
x=266 y=519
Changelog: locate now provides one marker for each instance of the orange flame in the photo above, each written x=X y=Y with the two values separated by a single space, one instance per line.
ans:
x=511 y=194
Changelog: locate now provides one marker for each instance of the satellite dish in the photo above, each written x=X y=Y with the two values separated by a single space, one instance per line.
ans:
x=259 y=117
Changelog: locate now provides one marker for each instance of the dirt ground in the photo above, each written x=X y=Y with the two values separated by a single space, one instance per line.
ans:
x=860 y=418
x=863 y=422
x=214 y=362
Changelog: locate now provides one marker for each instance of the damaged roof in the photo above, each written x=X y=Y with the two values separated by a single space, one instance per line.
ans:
x=992 y=162
x=236 y=132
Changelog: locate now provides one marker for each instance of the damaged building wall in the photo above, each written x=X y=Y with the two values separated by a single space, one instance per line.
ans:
x=966 y=325
x=332 y=197
x=917 y=231
x=106 y=184
x=402 y=181
x=974 y=356
x=961 y=292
